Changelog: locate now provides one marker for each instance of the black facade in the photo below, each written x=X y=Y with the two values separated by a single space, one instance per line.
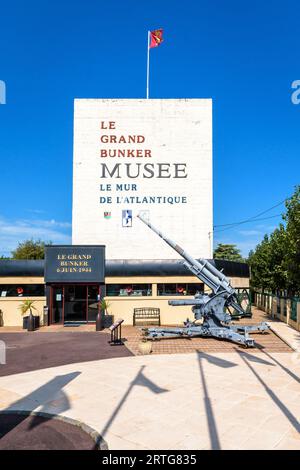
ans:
x=124 y=268
x=74 y=263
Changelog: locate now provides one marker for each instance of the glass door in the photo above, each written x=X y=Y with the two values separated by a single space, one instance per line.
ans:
x=93 y=302
x=75 y=300
x=74 y=303
x=57 y=313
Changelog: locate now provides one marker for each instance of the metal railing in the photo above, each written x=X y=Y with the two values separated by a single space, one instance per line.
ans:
x=278 y=305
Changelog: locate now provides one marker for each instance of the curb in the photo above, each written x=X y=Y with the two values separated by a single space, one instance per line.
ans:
x=101 y=444
x=284 y=339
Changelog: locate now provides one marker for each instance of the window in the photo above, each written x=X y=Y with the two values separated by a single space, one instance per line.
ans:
x=179 y=289
x=22 y=290
x=128 y=290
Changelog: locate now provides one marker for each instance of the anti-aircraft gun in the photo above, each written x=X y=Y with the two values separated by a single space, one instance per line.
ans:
x=211 y=319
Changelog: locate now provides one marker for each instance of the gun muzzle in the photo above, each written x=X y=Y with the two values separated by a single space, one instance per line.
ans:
x=186 y=302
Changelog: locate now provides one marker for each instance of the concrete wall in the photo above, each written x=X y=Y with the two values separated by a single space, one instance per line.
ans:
x=119 y=306
x=292 y=323
x=176 y=132
x=21 y=280
x=123 y=308
x=11 y=314
x=239 y=282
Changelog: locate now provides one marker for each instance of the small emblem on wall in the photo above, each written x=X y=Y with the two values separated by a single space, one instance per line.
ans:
x=127 y=218
x=107 y=215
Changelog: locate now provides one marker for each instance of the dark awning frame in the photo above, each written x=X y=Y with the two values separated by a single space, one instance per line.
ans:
x=126 y=268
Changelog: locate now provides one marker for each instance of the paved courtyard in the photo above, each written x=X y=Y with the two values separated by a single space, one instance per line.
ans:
x=237 y=400
x=269 y=341
x=27 y=351
x=55 y=345
x=219 y=396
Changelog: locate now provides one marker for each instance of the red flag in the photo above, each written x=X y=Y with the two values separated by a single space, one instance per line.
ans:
x=156 y=38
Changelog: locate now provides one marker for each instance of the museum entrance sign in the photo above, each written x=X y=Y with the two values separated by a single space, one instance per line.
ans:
x=74 y=264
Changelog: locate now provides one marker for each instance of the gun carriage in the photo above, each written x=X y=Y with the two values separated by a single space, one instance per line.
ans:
x=210 y=316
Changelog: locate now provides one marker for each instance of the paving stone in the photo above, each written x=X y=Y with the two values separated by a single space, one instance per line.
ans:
x=288 y=444
x=263 y=440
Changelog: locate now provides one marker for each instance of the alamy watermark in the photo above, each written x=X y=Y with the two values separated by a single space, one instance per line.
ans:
x=296 y=94
x=2 y=92
x=2 y=353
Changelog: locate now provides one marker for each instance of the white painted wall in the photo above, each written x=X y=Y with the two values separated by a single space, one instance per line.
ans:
x=176 y=131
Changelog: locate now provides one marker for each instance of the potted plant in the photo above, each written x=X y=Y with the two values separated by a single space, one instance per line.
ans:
x=102 y=315
x=25 y=306
x=104 y=304
x=145 y=346
x=106 y=317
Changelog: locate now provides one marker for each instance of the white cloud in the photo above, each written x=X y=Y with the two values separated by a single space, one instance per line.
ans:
x=14 y=231
x=245 y=240
x=50 y=223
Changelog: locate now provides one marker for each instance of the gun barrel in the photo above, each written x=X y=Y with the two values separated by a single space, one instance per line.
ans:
x=203 y=269
x=185 y=302
x=161 y=235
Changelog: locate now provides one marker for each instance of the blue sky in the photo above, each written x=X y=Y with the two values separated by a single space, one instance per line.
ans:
x=242 y=54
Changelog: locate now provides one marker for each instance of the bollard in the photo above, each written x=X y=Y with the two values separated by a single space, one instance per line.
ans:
x=99 y=321
x=2 y=353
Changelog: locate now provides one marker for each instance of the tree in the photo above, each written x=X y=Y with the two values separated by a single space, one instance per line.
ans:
x=228 y=252
x=267 y=262
x=30 y=249
x=275 y=261
x=278 y=253
x=292 y=218
x=259 y=261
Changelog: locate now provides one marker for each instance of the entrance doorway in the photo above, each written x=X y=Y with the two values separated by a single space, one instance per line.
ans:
x=74 y=303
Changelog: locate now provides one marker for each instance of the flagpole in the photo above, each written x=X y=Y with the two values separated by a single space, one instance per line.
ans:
x=148 y=60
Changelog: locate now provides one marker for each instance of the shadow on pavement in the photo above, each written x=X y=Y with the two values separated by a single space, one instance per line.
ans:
x=17 y=428
x=292 y=419
x=289 y=372
x=211 y=422
x=139 y=380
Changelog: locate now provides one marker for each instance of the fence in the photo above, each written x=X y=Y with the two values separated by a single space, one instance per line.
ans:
x=286 y=309
x=244 y=298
